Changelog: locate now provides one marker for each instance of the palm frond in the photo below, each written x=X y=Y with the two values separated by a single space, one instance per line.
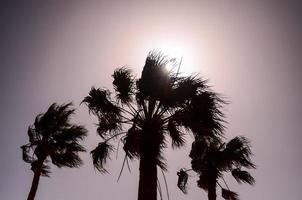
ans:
x=160 y=160
x=109 y=114
x=26 y=153
x=67 y=158
x=72 y=147
x=62 y=115
x=99 y=102
x=100 y=155
x=132 y=142
x=239 y=143
x=188 y=87
x=182 y=180
x=73 y=133
x=45 y=170
x=53 y=120
x=37 y=125
x=58 y=116
x=176 y=135
x=238 y=152
x=229 y=195
x=109 y=123
x=155 y=80
x=33 y=135
x=204 y=115
x=243 y=176
x=123 y=84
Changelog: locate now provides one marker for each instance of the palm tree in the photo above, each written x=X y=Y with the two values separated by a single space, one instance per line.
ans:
x=53 y=138
x=211 y=159
x=145 y=112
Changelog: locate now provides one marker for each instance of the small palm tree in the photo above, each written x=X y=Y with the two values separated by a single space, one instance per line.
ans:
x=212 y=158
x=53 y=138
x=146 y=111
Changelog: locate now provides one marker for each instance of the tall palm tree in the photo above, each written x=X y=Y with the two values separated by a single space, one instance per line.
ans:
x=53 y=138
x=211 y=159
x=145 y=112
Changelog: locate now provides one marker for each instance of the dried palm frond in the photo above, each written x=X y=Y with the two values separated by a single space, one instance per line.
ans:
x=182 y=180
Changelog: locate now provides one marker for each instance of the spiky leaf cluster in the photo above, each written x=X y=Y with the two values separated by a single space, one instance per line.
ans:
x=149 y=111
x=229 y=195
x=54 y=138
x=211 y=159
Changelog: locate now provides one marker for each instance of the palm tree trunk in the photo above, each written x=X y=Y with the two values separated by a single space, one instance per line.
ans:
x=212 y=190
x=147 y=189
x=35 y=182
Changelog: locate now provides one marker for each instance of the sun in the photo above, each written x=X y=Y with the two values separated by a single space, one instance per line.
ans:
x=179 y=56
x=186 y=58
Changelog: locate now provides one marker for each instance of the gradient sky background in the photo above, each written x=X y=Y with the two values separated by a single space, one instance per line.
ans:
x=54 y=51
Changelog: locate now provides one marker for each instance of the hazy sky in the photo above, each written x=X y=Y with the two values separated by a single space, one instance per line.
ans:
x=54 y=51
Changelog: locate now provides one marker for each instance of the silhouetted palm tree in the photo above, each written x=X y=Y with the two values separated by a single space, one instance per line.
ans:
x=212 y=158
x=53 y=138
x=146 y=111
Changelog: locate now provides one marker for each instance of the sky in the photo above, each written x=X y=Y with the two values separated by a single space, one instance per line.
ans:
x=55 y=51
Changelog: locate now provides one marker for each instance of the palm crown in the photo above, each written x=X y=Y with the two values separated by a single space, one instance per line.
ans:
x=53 y=136
x=212 y=158
x=153 y=107
x=145 y=112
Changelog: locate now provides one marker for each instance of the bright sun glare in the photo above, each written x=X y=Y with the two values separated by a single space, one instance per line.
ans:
x=180 y=57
